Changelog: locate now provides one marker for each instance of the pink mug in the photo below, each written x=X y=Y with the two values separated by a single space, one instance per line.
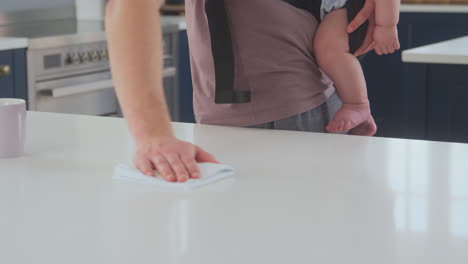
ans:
x=12 y=127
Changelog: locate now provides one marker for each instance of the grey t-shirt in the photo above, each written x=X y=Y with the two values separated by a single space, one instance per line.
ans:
x=272 y=46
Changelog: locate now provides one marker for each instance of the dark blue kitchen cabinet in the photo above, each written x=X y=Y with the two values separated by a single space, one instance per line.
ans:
x=6 y=76
x=447 y=99
x=398 y=91
x=13 y=84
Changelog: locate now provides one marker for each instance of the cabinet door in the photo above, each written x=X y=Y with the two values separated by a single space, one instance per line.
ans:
x=169 y=84
x=6 y=78
x=420 y=30
x=19 y=74
x=447 y=103
x=397 y=90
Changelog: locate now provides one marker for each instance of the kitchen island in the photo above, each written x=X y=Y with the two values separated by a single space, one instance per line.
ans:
x=454 y=51
x=444 y=69
x=296 y=198
x=434 y=8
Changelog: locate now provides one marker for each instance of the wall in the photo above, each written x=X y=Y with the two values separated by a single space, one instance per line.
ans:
x=90 y=9
x=86 y=9
x=8 y=5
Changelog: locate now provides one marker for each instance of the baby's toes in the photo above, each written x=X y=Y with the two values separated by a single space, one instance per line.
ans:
x=347 y=126
x=335 y=128
x=330 y=127
x=342 y=126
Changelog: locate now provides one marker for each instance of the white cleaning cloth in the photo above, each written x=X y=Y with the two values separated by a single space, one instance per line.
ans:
x=210 y=173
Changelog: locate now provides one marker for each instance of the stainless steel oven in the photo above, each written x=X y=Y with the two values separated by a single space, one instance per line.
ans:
x=68 y=65
x=73 y=78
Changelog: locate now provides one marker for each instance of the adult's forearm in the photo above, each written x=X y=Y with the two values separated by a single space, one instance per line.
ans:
x=135 y=46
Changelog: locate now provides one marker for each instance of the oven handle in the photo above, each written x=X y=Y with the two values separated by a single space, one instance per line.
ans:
x=96 y=86
x=169 y=72
x=82 y=88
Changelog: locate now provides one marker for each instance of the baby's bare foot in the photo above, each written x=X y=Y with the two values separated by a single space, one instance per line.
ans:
x=349 y=117
x=368 y=128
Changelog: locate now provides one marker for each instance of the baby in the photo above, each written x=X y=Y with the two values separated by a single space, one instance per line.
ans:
x=331 y=47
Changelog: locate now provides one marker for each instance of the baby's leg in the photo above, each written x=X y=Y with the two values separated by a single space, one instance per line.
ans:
x=331 y=46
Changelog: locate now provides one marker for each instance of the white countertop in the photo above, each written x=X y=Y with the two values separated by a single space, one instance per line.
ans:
x=434 y=8
x=180 y=21
x=12 y=43
x=297 y=198
x=453 y=51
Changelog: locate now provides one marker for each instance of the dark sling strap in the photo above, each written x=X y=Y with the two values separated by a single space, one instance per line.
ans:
x=223 y=54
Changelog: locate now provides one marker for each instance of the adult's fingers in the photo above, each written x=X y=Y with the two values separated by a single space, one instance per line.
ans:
x=203 y=156
x=163 y=167
x=371 y=47
x=362 y=16
x=368 y=43
x=364 y=49
x=144 y=165
x=397 y=45
x=178 y=167
x=191 y=166
x=379 y=51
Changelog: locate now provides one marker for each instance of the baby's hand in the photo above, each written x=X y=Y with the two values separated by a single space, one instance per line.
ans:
x=386 y=39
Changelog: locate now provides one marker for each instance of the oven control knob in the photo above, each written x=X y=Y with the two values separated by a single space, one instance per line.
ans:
x=69 y=59
x=95 y=56
x=90 y=56
x=76 y=59
x=103 y=54
x=84 y=57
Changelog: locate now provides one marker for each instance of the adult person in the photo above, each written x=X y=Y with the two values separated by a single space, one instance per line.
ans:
x=252 y=65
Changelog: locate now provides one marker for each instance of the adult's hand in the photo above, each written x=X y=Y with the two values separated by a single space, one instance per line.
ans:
x=175 y=160
x=367 y=13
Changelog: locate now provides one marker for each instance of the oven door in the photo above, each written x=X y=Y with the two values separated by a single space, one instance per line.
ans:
x=91 y=94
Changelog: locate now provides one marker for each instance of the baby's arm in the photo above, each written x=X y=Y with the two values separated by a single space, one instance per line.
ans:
x=387 y=12
x=387 y=15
